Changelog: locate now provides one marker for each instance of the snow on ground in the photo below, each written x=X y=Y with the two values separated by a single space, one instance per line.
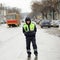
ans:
x=12 y=44
x=48 y=46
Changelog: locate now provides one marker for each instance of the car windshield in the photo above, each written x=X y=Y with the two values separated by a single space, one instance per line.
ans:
x=45 y=21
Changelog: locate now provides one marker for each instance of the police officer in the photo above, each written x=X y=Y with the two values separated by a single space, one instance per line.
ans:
x=29 y=30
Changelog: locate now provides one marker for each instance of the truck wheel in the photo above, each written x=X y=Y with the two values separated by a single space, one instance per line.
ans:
x=48 y=26
x=9 y=25
x=41 y=26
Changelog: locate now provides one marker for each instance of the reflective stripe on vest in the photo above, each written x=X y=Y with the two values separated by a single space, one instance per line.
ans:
x=31 y=27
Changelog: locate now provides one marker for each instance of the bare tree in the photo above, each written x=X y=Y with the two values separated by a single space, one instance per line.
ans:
x=45 y=7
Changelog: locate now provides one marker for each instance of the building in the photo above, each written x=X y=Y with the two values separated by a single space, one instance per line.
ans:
x=2 y=13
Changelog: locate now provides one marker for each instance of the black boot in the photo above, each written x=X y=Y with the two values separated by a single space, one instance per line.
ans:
x=29 y=55
x=36 y=53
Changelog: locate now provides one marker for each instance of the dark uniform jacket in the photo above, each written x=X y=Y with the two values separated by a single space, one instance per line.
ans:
x=30 y=33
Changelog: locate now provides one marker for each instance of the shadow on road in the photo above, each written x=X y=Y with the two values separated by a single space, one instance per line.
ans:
x=29 y=58
x=36 y=58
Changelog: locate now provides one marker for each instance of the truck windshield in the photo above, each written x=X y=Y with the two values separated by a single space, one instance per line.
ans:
x=11 y=17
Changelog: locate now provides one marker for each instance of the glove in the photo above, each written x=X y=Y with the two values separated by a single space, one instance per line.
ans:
x=30 y=33
x=25 y=34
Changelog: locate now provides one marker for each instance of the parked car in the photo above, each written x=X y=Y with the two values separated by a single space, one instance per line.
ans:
x=45 y=23
x=58 y=22
x=37 y=21
x=54 y=23
x=2 y=21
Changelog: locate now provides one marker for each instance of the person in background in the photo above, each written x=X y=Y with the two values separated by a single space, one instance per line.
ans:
x=29 y=30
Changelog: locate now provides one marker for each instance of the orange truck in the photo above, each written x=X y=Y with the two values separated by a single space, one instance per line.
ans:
x=13 y=19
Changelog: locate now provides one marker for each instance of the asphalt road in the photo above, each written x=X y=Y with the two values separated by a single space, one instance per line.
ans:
x=12 y=44
x=53 y=31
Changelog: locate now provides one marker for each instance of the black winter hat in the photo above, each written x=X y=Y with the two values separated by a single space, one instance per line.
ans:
x=27 y=19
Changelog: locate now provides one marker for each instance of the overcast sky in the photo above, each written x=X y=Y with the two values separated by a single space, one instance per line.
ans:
x=25 y=5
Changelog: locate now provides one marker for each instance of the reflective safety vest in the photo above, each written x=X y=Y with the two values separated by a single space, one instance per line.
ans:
x=26 y=28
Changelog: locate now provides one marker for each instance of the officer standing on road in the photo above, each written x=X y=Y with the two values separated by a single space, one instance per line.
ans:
x=29 y=30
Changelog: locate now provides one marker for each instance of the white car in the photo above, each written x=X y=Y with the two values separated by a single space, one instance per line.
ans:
x=37 y=21
x=54 y=23
x=58 y=22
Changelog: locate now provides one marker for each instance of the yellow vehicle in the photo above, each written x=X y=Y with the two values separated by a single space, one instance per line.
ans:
x=13 y=19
